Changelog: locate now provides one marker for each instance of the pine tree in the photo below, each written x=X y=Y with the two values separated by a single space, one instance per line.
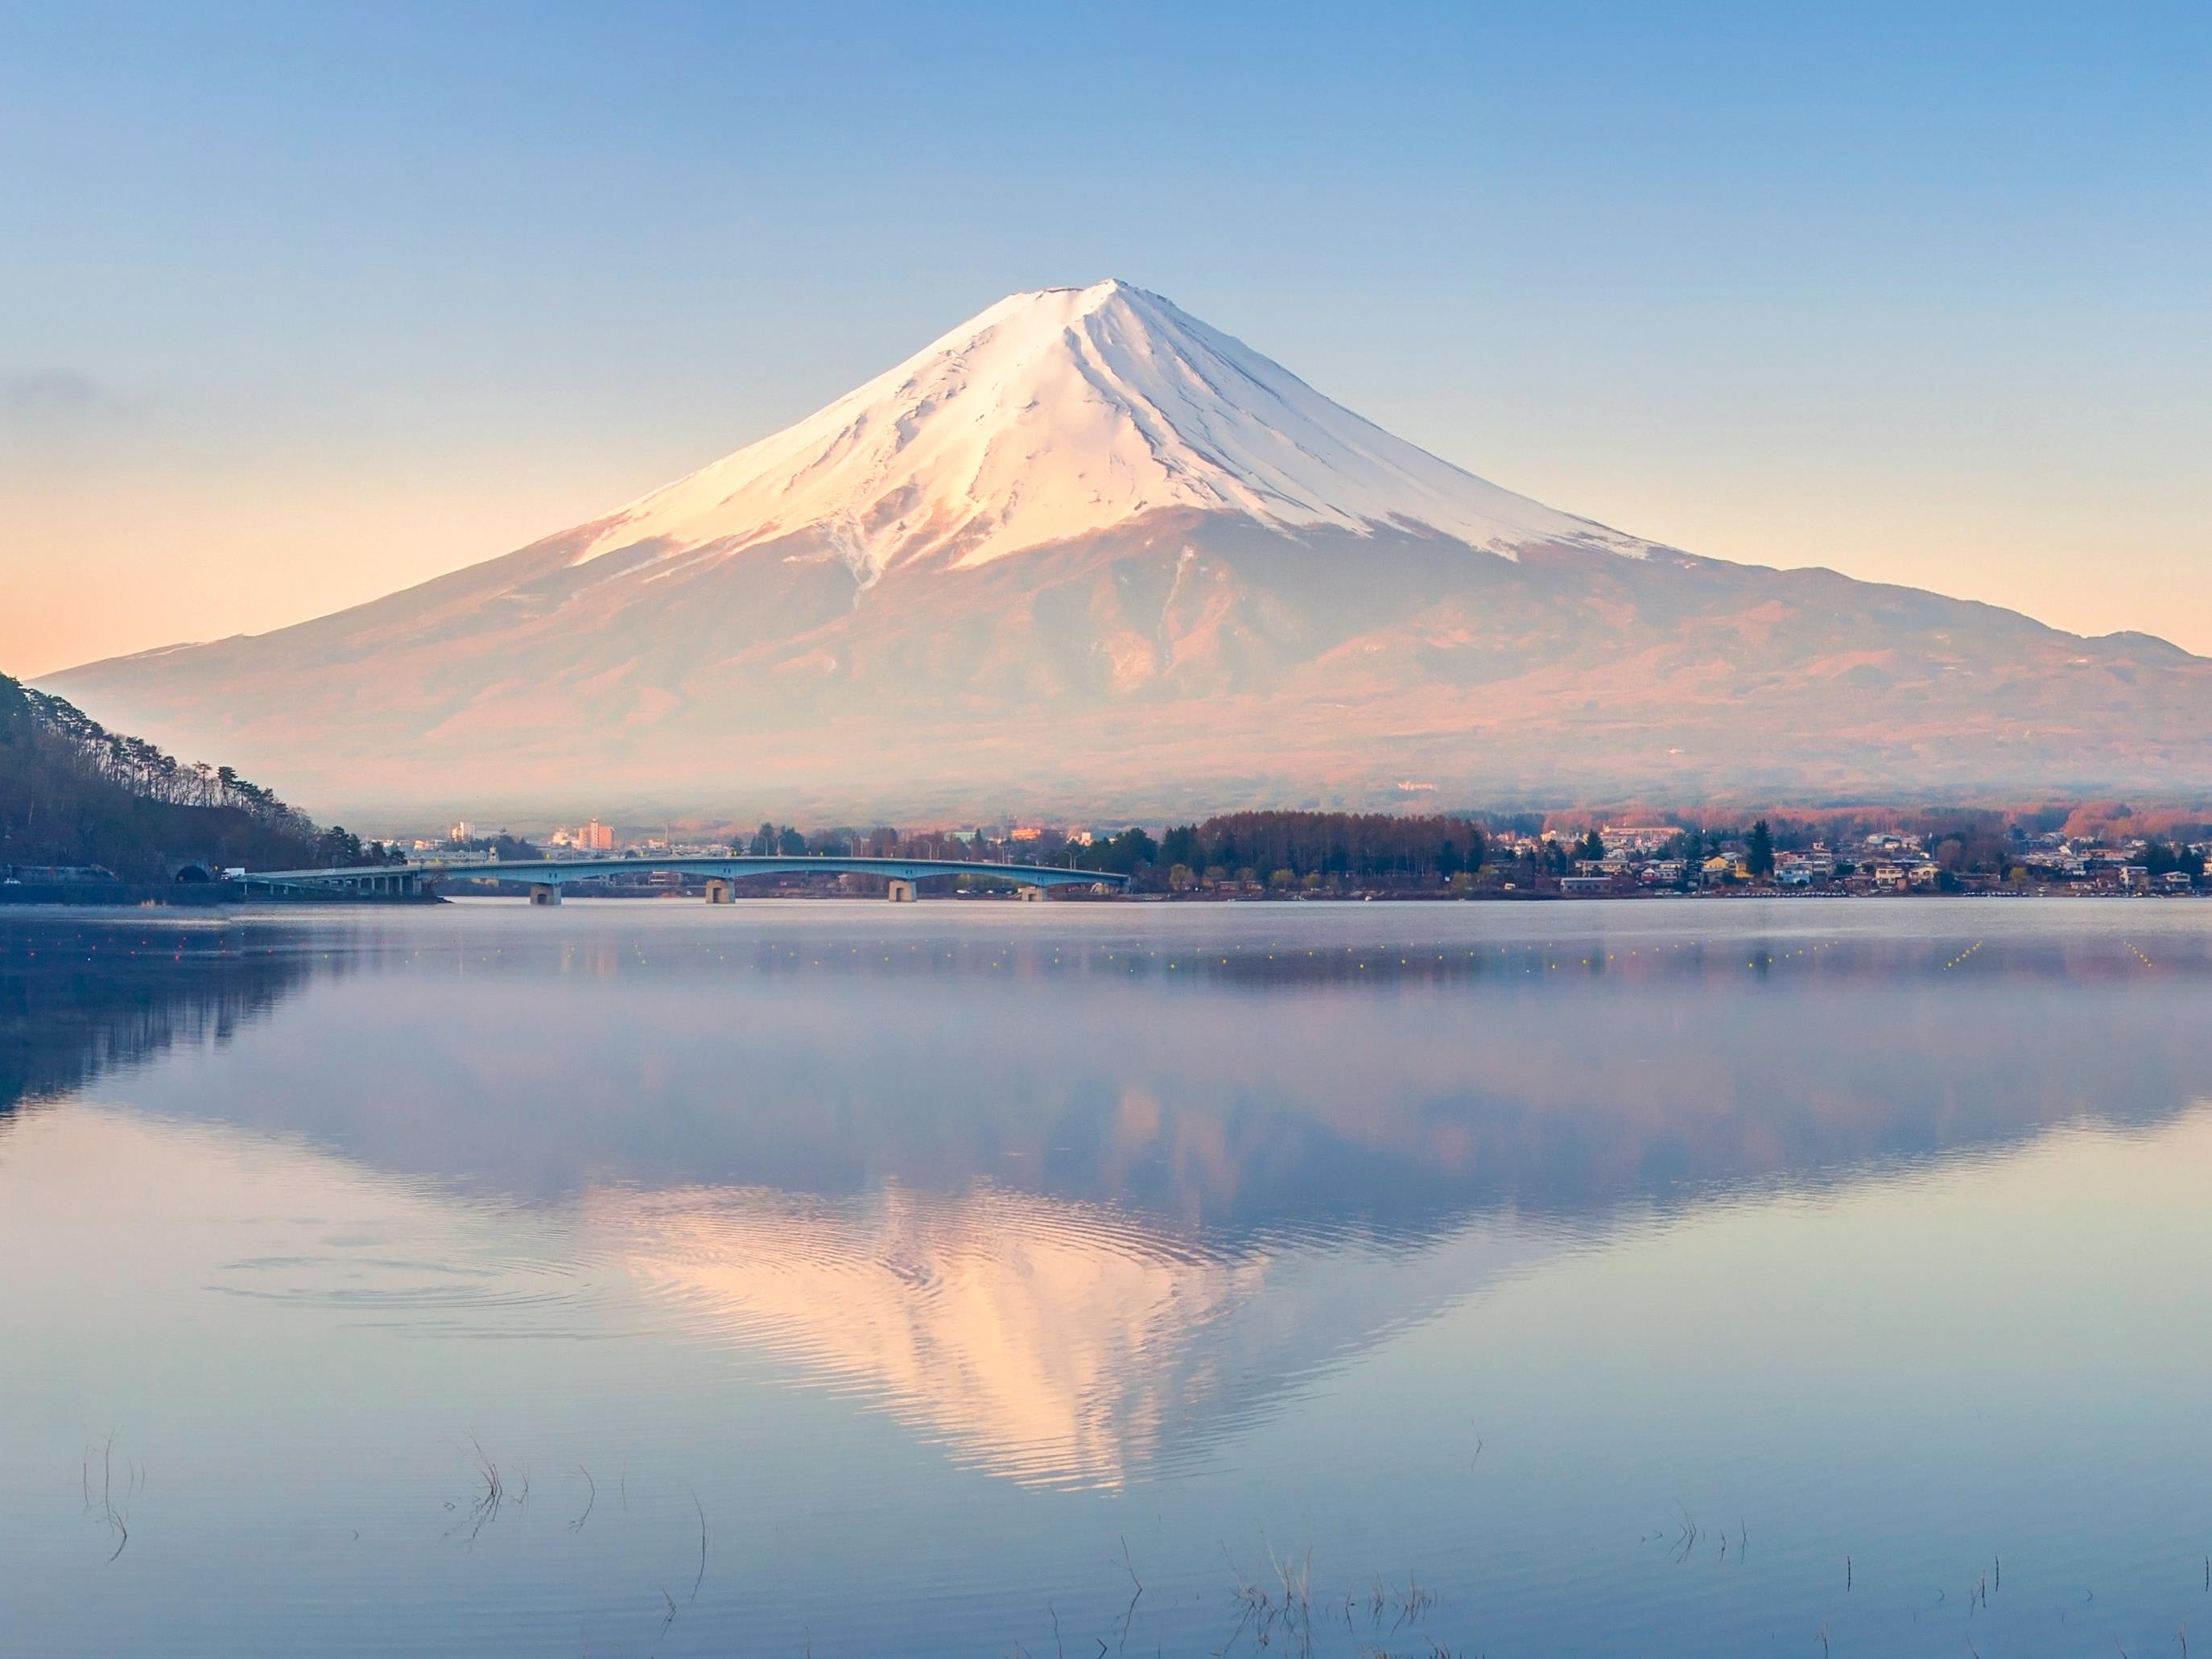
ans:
x=1759 y=850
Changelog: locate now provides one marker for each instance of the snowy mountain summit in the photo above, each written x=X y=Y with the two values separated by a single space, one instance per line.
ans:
x=1064 y=413
x=1087 y=556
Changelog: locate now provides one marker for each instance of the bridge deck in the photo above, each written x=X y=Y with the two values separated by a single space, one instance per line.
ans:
x=557 y=873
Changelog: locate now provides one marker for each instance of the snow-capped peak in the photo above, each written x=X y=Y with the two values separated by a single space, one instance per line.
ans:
x=1062 y=413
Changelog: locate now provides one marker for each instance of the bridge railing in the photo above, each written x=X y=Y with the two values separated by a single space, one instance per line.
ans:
x=553 y=873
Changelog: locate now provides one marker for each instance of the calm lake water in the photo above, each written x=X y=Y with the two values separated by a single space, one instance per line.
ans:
x=968 y=1278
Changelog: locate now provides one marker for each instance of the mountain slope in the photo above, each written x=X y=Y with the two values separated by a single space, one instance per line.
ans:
x=1085 y=552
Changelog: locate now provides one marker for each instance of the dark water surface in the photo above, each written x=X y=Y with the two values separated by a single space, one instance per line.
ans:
x=968 y=1278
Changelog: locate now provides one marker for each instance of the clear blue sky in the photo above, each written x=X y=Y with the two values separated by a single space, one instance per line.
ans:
x=301 y=302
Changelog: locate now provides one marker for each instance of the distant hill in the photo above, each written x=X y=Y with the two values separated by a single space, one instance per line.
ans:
x=74 y=793
x=1086 y=555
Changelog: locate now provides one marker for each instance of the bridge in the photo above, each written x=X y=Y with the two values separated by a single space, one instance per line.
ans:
x=545 y=878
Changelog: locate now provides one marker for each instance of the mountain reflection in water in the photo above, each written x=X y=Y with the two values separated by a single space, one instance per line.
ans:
x=1078 y=1194
x=1045 y=1340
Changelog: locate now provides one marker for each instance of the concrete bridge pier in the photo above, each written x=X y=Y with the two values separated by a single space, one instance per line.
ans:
x=901 y=892
x=1030 y=892
x=719 y=891
x=544 y=892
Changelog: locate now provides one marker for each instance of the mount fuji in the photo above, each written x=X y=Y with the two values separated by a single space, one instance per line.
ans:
x=1086 y=553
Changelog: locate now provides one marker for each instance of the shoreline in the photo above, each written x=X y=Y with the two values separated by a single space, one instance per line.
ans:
x=223 y=895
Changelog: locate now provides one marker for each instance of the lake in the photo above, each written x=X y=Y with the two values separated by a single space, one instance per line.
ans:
x=968 y=1278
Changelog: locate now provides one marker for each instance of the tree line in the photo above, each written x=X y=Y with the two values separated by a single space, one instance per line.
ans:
x=1373 y=848
x=140 y=768
x=73 y=793
x=1378 y=847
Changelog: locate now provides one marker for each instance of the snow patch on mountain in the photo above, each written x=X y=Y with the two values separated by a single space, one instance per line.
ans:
x=1062 y=413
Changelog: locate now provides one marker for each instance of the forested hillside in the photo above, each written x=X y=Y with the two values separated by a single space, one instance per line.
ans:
x=74 y=793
